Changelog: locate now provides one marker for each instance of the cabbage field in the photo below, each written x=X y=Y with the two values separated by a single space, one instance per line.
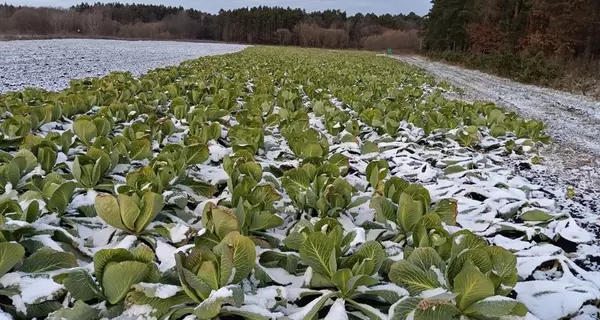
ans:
x=51 y=64
x=280 y=183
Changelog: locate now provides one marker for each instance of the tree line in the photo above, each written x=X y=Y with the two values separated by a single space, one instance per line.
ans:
x=538 y=41
x=256 y=25
x=565 y=27
x=531 y=40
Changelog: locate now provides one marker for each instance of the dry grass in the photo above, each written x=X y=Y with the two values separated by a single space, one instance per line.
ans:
x=398 y=40
x=582 y=76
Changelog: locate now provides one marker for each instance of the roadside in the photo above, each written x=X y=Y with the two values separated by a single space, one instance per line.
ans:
x=573 y=120
x=577 y=76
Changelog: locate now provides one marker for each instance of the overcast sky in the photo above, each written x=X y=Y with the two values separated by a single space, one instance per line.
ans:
x=420 y=7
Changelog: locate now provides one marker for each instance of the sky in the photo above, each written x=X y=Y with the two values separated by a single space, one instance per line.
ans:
x=420 y=7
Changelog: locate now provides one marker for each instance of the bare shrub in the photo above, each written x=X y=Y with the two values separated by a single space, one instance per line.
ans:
x=283 y=36
x=407 y=41
x=180 y=25
x=109 y=28
x=30 y=21
x=484 y=38
x=311 y=35
x=307 y=35
x=91 y=22
x=334 y=38
x=371 y=30
x=152 y=30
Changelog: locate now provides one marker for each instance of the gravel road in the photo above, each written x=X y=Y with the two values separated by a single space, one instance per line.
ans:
x=573 y=120
x=50 y=64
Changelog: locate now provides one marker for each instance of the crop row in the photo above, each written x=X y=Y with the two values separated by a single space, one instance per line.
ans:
x=267 y=184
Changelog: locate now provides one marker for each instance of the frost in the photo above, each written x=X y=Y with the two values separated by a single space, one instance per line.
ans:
x=10 y=279
x=35 y=290
x=359 y=238
x=218 y=152
x=497 y=298
x=166 y=291
x=222 y=293
x=587 y=312
x=86 y=199
x=157 y=290
x=265 y=298
x=47 y=241
x=200 y=207
x=440 y=276
x=5 y=316
x=94 y=58
x=511 y=244
x=283 y=277
x=98 y=237
x=337 y=311
x=232 y=276
x=139 y=310
x=303 y=312
x=458 y=240
x=127 y=242
x=121 y=168
x=433 y=293
x=166 y=254
x=255 y=310
x=19 y=304
x=539 y=295
x=178 y=232
x=385 y=287
x=308 y=274
x=569 y=230
x=490 y=192
x=373 y=311
x=16 y=224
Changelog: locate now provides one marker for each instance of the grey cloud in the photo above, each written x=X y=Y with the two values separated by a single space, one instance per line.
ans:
x=351 y=6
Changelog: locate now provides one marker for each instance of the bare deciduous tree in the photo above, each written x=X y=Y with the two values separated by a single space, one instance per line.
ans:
x=92 y=21
x=283 y=36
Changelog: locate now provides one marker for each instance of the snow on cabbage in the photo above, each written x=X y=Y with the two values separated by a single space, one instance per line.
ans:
x=280 y=183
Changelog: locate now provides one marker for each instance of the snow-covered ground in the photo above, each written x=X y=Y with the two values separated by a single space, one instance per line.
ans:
x=573 y=121
x=50 y=64
x=505 y=197
x=573 y=160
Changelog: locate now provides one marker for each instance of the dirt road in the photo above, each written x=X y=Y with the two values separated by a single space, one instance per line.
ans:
x=573 y=120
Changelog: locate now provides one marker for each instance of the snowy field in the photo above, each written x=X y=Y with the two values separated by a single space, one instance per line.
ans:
x=573 y=120
x=571 y=161
x=288 y=184
x=50 y=64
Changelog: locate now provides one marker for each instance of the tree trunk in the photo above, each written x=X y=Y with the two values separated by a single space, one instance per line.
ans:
x=591 y=30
